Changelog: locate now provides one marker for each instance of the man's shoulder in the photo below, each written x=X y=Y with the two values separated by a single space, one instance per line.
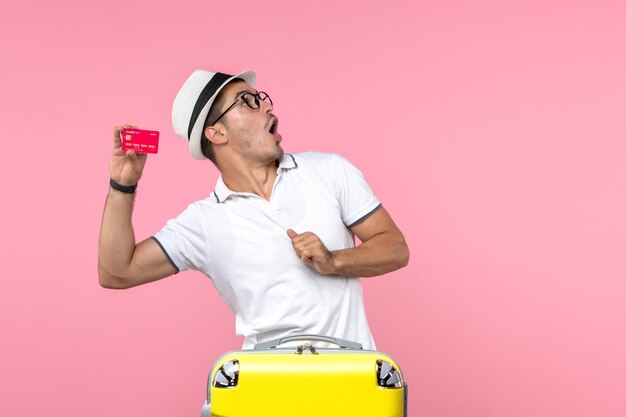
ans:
x=314 y=158
x=202 y=205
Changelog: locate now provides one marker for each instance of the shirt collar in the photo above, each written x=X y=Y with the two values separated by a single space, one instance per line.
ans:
x=222 y=192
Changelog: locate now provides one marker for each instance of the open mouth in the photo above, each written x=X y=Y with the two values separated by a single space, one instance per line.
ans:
x=274 y=125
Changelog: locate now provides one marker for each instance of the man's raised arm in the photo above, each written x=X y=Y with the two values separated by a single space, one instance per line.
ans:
x=121 y=262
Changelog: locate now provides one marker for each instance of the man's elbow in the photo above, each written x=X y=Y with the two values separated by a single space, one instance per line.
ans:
x=109 y=281
x=403 y=255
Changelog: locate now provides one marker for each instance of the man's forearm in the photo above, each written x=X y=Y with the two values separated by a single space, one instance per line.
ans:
x=383 y=249
x=117 y=238
x=381 y=254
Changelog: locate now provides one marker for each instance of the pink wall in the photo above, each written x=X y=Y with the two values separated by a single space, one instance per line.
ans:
x=492 y=131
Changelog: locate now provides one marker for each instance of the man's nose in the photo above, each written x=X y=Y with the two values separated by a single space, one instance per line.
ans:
x=266 y=106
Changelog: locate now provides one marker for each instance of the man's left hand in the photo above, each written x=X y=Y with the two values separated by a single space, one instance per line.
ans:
x=310 y=249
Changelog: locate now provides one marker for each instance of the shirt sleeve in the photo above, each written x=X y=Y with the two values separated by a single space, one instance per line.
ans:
x=356 y=199
x=182 y=240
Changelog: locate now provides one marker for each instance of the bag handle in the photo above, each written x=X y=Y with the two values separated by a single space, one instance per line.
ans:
x=343 y=344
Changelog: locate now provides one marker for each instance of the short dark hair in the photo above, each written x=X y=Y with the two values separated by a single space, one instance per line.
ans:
x=214 y=112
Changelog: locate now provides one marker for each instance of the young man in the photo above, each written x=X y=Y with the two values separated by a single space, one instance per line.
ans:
x=276 y=236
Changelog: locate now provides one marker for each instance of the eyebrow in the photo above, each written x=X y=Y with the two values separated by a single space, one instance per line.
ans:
x=242 y=92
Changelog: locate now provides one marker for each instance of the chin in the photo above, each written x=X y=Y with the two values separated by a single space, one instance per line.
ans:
x=278 y=152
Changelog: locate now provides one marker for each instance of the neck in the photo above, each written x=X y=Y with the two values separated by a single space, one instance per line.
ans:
x=257 y=180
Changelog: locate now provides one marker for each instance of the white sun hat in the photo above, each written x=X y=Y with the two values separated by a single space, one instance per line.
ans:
x=193 y=101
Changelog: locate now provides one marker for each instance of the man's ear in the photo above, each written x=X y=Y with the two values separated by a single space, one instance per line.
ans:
x=215 y=134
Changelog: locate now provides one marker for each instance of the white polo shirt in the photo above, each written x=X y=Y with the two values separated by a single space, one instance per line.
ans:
x=240 y=241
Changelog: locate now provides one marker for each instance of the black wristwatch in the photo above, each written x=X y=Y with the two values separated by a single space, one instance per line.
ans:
x=128 y=189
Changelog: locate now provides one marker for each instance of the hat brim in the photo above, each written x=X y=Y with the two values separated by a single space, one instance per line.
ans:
x=196 y=133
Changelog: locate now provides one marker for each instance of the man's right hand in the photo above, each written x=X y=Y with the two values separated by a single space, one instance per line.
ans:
x=125 y=167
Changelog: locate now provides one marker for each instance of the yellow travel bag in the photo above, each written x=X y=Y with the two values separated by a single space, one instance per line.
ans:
x=305 y=380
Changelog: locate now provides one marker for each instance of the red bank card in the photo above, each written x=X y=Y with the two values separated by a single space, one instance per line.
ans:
x=146 y=141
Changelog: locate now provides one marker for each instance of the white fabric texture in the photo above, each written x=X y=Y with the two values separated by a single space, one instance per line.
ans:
x=240 y=241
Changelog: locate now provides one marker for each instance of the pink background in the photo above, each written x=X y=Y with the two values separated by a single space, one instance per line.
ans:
x=492 y=131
